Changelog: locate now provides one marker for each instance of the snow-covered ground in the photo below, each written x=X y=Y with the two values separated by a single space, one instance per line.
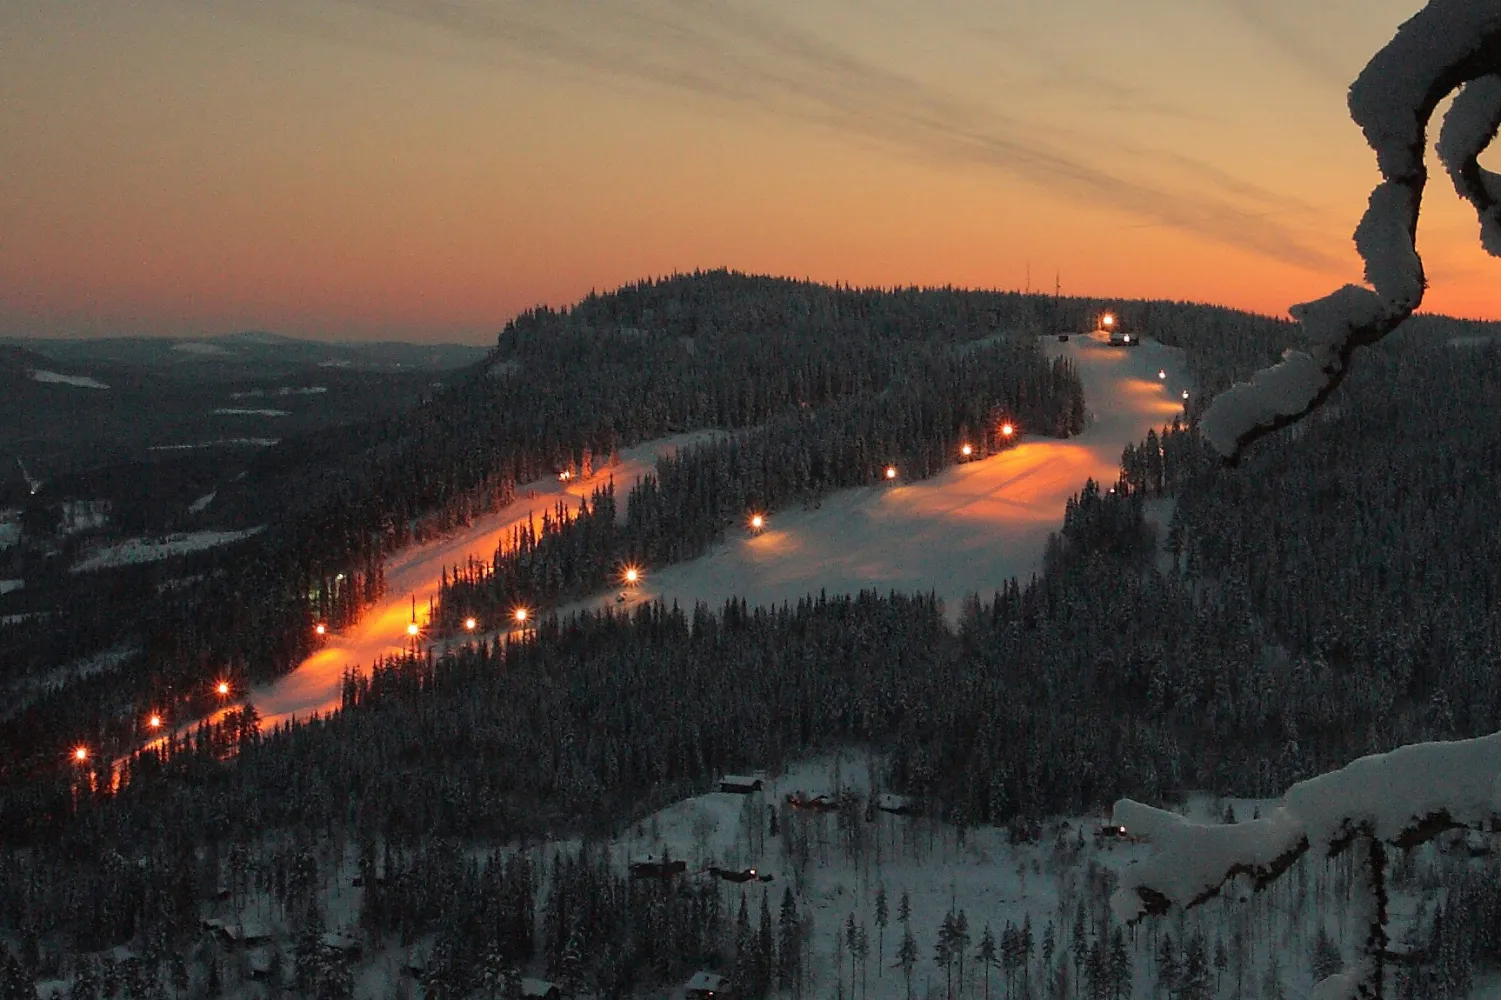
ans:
x=201 y=504
x=10 y=528
x=233 y=442
x=965 y=531
x=6 y=586
x=80 y=381
x=198 y=347
x=231 y=411
x=286 y=390
x=142 y=550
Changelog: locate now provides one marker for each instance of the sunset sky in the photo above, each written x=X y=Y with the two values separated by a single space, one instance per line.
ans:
x=425 y=169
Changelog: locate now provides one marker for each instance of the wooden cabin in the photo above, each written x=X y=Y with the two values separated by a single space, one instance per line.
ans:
x=648 y=866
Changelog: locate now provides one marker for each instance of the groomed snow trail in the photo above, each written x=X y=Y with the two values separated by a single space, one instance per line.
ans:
x=964 y=531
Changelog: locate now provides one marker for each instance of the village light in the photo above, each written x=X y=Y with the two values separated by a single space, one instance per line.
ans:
x=1107 y=320
x=1007 y=430
x=470 y=624
x=890 y=472
x=966 y=451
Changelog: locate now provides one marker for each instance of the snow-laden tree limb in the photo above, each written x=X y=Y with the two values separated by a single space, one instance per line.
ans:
x=1399 y=799
x=1447 y=45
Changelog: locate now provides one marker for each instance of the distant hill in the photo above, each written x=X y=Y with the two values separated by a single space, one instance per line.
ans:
x=253 y=349
x=67 y=406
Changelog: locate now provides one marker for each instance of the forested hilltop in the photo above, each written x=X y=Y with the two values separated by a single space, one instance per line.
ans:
x=86 y=654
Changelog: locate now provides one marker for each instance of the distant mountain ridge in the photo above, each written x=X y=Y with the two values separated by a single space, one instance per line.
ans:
x=252 y=348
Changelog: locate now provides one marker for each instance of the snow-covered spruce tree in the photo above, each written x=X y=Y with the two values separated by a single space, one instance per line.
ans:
x=1449 y=45
x=1399 y=799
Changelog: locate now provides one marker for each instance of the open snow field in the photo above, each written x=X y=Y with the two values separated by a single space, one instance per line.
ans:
x=965 y=531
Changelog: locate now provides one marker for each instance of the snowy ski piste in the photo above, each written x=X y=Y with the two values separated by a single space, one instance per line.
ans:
x=966 y=530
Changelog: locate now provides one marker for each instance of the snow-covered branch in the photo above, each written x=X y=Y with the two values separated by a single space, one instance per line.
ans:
x=1402 y=799
x=1449 y=44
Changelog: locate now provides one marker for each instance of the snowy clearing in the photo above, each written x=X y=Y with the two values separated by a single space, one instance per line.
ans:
x=219 y=443
x=10 y=530
x=6 y=586
x=81 y=381
x=965 y=531
x=143 y=550
x=198 y=347
x=286 y=390
x=227 y=411
x=201 y=504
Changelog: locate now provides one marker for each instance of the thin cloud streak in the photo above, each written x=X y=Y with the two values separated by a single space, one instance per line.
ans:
x=1307 y=55
x=735 y=55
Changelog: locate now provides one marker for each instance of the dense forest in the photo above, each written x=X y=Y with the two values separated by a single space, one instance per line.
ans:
x=1320 y=601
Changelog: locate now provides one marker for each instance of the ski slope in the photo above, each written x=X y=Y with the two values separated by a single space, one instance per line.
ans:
x=964 y=531
x=417 y=572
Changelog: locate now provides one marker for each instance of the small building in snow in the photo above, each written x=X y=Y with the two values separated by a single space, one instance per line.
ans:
x=246 y=934
x=704 y=985
x=739 y=784
x=817 y=802
x=897 y=805
x=649 y=866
